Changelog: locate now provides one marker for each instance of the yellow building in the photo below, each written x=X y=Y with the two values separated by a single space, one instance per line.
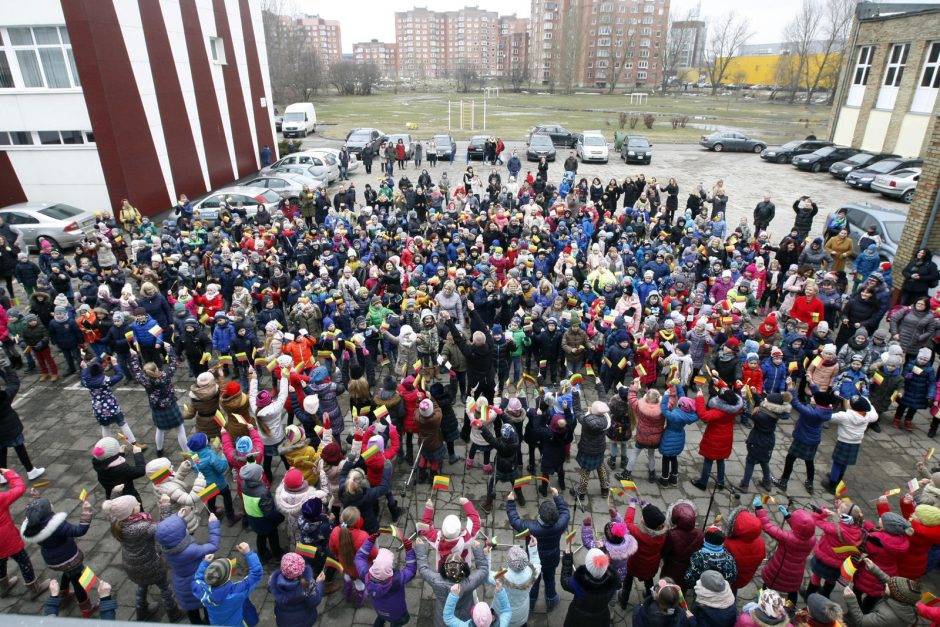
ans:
x=771 y=69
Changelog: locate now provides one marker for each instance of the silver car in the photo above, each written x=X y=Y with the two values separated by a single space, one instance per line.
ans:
x=288 y=185
x=59 y=224
x=250 y=198
x=316 y=163
x=353 y=161
x=900 y=184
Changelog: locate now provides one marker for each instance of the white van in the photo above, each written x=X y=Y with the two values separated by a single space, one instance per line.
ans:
x=300 y=118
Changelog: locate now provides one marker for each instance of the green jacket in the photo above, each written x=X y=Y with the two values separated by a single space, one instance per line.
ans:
x=521 y=340
x=377 y=315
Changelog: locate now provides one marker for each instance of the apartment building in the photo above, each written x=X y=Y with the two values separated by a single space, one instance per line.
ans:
x=472 y=37
x=619 y=41
x=323 y=35
x=383 y=55
x=420 y=35
x=513 y=48
x=691 y=35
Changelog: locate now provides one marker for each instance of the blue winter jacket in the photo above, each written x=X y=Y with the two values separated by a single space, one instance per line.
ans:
x=213 y=467
x=919 y=389
x=229 y=603
x=775 y=377
x=292 y=606
x=809 y=425
x=673 y=440
x=184 y=555
x=65 y=335
x=548 y=536
x=222 y=337
x=144 y=337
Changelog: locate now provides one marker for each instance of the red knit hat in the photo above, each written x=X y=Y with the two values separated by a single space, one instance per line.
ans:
x=294 y=479
x=733 y=343
x=332 y=454
x=769 y=326
x=232 y=388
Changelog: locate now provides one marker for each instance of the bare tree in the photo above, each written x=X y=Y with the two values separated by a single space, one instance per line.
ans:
x=727 y=35
x=836 y=23
x=296 y=70
x=344 y=76
x=569 y=49
x=467 y=75
x=518 y=76
x=676 y=43
x=800 y=34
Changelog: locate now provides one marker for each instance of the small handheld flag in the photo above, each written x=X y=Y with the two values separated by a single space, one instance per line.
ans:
x=848 y=549
x=370 y=452
x=913 y=486
x=381 y=412
x=332 y=563
x=220 y=418
x=522 y=534
x=160 y=476
x=306 y=550
x=441 y=483
x=393 y=531
x=522 y=482
x=83 y=495
x=209 y=492
x=569 y=537
x=626 y=484
x=841 y=488
x=929 y=599
x=893 y=492
x=88 y=579
x=576 y=379
x=848 y=569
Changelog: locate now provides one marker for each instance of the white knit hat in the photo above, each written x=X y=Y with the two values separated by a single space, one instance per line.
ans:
x=450 y=529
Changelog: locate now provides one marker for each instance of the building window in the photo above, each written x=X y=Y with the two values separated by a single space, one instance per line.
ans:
x=641 y=75
x=897 y=59
x=45 y=138
x=860 y=76
x=43 y=57
x=217 y=50
x=925 y=95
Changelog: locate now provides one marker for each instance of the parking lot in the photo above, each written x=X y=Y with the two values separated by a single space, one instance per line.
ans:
x=747 y=178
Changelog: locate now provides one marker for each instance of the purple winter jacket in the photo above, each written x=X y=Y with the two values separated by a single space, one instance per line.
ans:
x=388 y=598
x=619 y=553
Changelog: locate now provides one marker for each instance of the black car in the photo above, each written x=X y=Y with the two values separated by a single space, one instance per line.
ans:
x=841 y=169
x=559 y=134
x=477 y=147
x=863 y=177
x=783 y=154
x=361 y=140
x=540 y=146
x=444 y=146
x=636 y=149
x=823 y=158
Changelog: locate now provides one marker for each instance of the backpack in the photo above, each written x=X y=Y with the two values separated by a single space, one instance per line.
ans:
x=898 y=312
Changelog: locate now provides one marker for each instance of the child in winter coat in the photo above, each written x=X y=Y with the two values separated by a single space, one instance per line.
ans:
x=762 y=439
x=886 y=546
x=822 y=370
x=844 y=530
x=454 y=571
x=650 y=533
x=114 y=470
x=482 y=614
x=184 y=499
x=134 y=530
x=453 y=536
x=896 y=607
x=477 y=424
x=618 y=544
x=59 y=551
x=745 y=542
x=295 y=449
x=784 y=570
x=345 y=541
x=649 y=430
x=213 y=467
x=806 y=436
x=753 y=379
x=593 y=585
x=683 y=539
x=552 y=521
x=852 y=426
x=183 y=555
x=714 y=601
x=920 y=389
x=713 y=556
x=296 y=595
x=289 y=498
x=247 y=449
x=678 y=416
x=621 y=429
x=161 y=395
x=886 y=379
x=104 y=404
x=661 y=607
x=227 y=602
x=385 y=585
x=270 y=414
x=12 y=543
x=718 y=437
x=523 y=569
x=262 y=513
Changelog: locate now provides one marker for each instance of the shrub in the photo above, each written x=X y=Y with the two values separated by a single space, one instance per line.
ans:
x=648 y=120
x=634 y=120
x=622 y=119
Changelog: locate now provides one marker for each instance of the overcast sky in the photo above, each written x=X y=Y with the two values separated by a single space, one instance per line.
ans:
x=362 y=20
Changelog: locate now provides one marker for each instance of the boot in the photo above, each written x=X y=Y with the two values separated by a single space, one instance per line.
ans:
x=827 y=485
x=612 y=463
x=781 y=484
x=808 y=485
x=6 y=584
x=765 y=485
x=810 y=589
x=88 y=609
x=742 y=487
x=487 y=504
x=36 y=588
x=347 y=588
x=234 y=519
x=394 y=511
x=520 y=497
x=53 y=378
x=487 y=469
x=622 y=599
x=422 y=475
x=604 y=491
x=664 y=481
x=699 y=484
x=175 y=614
x=909 y=425
x=561 y=481
x=358 y=596
x=159 y=452
x=43 y=377
x=453 y=459
x=543 y=488
x=897 y=423
x=674 y=479
x=876 y=426
x=65 y=599
x=651 y=476
x=623 y=462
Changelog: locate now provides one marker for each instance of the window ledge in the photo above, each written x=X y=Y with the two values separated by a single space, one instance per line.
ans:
x=40 y=91
x=50 y=147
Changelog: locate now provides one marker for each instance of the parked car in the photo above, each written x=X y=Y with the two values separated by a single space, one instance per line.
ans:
x=61 y=225
x=353 y=161
x=364 y=139
x=636 y=149
x=783 y=154
x=559 y=134
x=315 y=163
x=300 y=119
x=731 y=141
x=540 y=146
x=823 y=158
x=406 y=140
x=251 y=198
x=278 y=122
x=900 y=184
x=888 y=223
x=592 y=146
x=286 y=184
x=863 y=177
x=841 y=169
x=444 y=146
x=477 y=147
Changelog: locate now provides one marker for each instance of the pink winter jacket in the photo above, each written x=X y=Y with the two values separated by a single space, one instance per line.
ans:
x=236 y=460
x=784 y=569
x=851 y=535
x=649 y=420
x=884 y=552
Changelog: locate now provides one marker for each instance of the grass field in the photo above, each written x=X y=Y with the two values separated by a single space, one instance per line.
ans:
x=512 y=115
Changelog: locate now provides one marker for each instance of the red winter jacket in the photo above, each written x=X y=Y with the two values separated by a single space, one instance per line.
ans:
x=886 y=552
x=10 y=541
x=804 y=310
x=754 y=378
x=644 y=564
x=784 y=570
x=392 y=443
x=410 y=398
x=746 y=544
x=649 y=420
x=930 y=613
x=914 y=564
x=719 y=431
x=851 y=535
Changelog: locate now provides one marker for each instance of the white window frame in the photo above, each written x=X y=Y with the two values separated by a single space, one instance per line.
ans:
x=217 y=50
x=925 y=96
x=63 y=44
x=894 y=74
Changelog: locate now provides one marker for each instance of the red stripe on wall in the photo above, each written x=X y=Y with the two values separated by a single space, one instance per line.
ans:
x=210 y=118
x=125 y=147
x=245 y=157
x=10 y=189
x=177 y=129
x=263 y=131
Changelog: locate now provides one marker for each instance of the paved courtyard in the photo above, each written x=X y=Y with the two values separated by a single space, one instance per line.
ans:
x=60 y=429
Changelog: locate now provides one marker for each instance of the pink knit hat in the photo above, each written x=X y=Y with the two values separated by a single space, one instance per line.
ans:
x=264 y=399
x=381 y=568
x=293 y=480
x=686 y=404
x=293 y=565
x=482 y=615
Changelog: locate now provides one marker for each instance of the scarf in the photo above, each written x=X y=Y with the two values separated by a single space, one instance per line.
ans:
x=717 y=600
x=140 y=516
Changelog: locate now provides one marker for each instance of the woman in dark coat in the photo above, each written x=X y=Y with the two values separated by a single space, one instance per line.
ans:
x=672 y=198
x=920 y=275
x=11 y=428
x=8 y=261
x=860 y=311
x=354 y=491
